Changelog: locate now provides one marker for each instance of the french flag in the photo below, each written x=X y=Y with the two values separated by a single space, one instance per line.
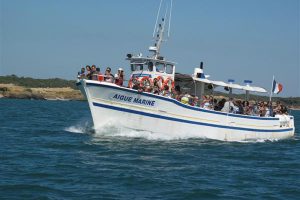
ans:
x=277 y=87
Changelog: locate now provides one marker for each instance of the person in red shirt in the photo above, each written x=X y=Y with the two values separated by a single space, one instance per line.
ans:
x=119 y=77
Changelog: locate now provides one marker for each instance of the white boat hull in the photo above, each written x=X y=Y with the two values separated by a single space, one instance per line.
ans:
x=144 y=111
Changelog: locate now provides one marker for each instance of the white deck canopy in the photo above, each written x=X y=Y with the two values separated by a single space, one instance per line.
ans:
x=254 y=89
x=231 y=85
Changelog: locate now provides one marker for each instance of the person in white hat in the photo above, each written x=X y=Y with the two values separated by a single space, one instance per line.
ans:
x=119 y=77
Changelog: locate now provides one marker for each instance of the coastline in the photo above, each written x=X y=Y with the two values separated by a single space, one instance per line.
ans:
x=11 y=91
x=14 y=87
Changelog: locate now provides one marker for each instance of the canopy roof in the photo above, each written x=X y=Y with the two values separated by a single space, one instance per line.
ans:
x=254 y=89
x=231 y=85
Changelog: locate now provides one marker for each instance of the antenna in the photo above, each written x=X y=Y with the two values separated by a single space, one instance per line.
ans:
x=170 y=17
x=159 y=29
x=157 y=17
x=165 y=17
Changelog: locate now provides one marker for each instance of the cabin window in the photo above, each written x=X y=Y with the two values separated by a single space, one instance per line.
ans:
x=160 y=67
x=137 y=67
x=150 y=66
x=169 y=69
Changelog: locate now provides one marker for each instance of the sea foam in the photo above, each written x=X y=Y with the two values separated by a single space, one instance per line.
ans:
x=110 y=129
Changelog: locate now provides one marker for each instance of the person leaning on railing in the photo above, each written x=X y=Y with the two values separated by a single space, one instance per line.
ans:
x=119 y=77
x=108 y=77
x=81 y=74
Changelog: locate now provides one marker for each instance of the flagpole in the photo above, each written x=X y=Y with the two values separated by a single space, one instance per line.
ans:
x=271 y=91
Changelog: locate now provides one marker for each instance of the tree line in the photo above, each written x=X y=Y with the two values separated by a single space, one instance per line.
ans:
x=37 y=83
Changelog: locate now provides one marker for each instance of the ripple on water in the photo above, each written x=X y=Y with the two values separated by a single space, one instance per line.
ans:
x=61 y=157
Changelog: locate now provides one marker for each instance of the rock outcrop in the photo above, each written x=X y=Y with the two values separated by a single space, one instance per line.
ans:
x=19 y=92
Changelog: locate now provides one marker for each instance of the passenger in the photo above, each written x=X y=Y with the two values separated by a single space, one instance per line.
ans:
x=156 y=90
x=215 y=102
x=211 y=100
x=255 y=109
x=191 y=100
x=238 y=107
x=95 y=72
x=277 y=109
x=248 y=110
x=284 y=110
x=173 y=93
x=194 y=101
x=108 y=77
x=228 y=106
x=204 y=100
x=269 y=109
x=234 y=108
x=149 y=89
x=119 y=77
x=141 y=89
x=185 y=99
x=262 y=109
x=220 y=105
x=207 y=106
x=177 y=94
x=156 y=83
x=100 y=76
x=93 y=68
x=82 y=73
x=246 y=106
x=208 y=103
x=136 y=85
x=88 y=72
x=166 y=91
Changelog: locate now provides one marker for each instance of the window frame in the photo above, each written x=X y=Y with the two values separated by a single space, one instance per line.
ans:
x=171 y=66
x=164 y=67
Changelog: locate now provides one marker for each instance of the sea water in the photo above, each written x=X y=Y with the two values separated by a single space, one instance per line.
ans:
x=48 y=150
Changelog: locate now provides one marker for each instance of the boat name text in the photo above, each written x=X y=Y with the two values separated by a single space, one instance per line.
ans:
x=134 y=100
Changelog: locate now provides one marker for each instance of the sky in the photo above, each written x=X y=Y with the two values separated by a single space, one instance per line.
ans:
x=236 y=39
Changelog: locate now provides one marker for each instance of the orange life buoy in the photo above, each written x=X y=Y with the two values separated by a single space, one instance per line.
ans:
x=146 y=81
x=130 y=83
x=169 y=82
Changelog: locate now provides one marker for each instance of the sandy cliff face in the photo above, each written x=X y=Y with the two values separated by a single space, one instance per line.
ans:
x=19 y=92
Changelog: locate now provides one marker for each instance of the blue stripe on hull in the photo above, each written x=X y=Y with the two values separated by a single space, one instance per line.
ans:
x=181 y=104
x=186 y=121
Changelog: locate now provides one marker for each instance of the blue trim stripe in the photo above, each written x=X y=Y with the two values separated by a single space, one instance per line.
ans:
x=181 y=104
x=186 y=121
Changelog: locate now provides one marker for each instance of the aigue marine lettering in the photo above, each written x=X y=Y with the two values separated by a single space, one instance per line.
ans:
x=135 y=100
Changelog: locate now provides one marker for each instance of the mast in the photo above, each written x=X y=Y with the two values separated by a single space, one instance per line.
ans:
x=160 y=30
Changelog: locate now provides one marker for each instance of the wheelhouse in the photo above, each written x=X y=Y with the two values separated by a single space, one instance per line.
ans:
x=152 y=68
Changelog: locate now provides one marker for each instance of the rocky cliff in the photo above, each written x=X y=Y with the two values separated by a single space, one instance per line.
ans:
x=21 y=92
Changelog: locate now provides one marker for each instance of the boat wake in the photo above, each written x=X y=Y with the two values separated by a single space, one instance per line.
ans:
x=85 y=128
x=110 y=129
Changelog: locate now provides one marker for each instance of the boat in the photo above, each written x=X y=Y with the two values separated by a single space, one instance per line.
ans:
x=145 y=111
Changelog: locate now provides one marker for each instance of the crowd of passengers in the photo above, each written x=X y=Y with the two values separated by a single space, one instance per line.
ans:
x=261 y=108
x=93 y=73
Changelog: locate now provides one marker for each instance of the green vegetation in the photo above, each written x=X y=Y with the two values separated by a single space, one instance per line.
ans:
x=37 y=83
